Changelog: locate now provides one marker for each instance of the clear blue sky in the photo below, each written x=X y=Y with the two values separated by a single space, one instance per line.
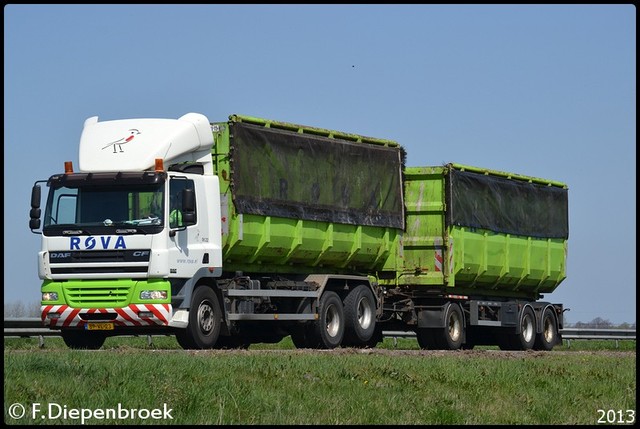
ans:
x=541 y=90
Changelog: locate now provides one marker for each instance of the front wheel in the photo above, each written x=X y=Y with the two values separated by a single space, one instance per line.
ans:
x=205 y=320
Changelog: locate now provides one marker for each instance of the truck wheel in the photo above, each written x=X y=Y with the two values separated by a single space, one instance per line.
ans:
x=527 y=336
x=300 y=337
x=360 y=317
x=80 y=339
x=327 y=332
x=427 y=338
x=184 y=340
x=205 y=319
x=376 y=338
x=453 y=333
x=546 y=339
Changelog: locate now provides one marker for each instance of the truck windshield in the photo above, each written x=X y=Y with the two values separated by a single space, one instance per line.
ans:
x=98 y=208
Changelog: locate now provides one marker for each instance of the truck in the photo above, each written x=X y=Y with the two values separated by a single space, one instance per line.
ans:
x=250 y=230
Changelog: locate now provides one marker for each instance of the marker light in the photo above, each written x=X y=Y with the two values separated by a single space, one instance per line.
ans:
x=68 y=167
x=159 y=164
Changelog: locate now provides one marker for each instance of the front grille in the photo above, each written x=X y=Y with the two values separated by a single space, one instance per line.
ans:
x=82 y=296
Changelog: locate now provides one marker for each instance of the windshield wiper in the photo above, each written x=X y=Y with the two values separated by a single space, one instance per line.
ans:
x=144 y=221
x=120 y=231
x=137 y=229
x=77 y=231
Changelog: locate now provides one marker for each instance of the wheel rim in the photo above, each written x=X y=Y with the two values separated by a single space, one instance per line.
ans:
x=527 y=328
x=455 y=326
x=205 y=317
x=549 y=331
x=365 y=314
x=333 y=321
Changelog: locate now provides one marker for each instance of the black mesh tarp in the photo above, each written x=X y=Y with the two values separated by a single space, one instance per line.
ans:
x=303 y=176
x=506 y=205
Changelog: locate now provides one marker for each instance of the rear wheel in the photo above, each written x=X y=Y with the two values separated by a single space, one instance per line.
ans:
x=527 y=336
x=300 y=337
x=360 y=317
x=523 y=340
x=447 y=338
x=427 y=338
x=548 y=338
x=81 y=339
x=453 y=333
x=327 y=332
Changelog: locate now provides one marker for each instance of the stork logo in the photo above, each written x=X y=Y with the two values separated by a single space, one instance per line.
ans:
x=122 y=141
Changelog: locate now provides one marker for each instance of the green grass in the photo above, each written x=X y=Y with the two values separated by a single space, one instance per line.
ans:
x=276 y=384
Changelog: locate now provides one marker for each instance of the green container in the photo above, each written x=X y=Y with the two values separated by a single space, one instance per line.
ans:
x=483 y=232
x=306 y=200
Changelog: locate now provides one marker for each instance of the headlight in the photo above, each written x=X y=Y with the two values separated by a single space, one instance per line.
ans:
x=153 y=294
x=49 y=296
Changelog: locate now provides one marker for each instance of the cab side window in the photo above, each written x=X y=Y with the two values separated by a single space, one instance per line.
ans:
x=176 y=188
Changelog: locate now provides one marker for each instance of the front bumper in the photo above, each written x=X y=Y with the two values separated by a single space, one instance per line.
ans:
x=143 y=315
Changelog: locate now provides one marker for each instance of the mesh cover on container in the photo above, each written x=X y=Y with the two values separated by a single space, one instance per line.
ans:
x=283 y=173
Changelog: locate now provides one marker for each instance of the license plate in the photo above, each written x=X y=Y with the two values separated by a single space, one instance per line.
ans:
x=99 y=326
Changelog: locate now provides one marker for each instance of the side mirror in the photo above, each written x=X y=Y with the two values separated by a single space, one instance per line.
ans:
x=188 y=206
x=34 y=213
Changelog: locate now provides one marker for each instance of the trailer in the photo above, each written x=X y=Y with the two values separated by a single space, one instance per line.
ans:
x=250 y=230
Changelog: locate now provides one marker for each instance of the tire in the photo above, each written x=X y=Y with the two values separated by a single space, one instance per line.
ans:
x=205 y=320
x=376 y=338
x=453 y=333
x=328 y=331
x=184 y=340
x=84 y=340
x=548 y=338
x=360 y=317
x=527 y=336
x=427 y=338
x=448 y=338
x=300 y=337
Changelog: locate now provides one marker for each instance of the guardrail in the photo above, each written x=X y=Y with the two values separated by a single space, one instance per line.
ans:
x=32 y=327
x=567 y=334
